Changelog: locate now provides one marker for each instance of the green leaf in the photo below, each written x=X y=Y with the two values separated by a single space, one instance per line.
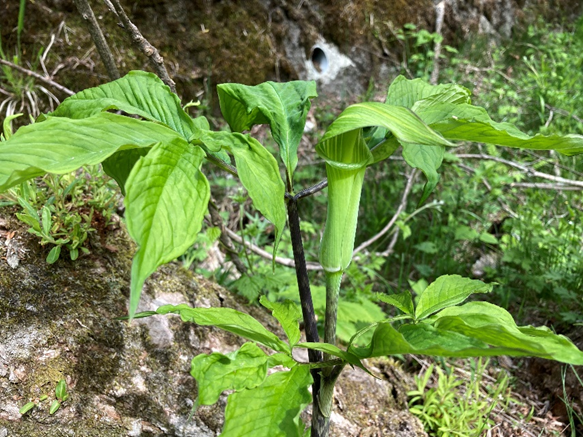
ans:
x=139 y=93
x=166 y=200
x=55 y=405
x=258 y=172
x=405 y=92
x=283 y=105
x=402 y=122
x=120 y=164
x=272 y=409
x=53 y=255
x=488 y=238
x=61 y=389
x=60 y=145
x=428 y=160
x=27 y=407
x=465 y=122
x=445 y=291
x=46 y=220
x=7 y=128
x=333 y=350
x=243 y=369
x=496 y=327
x=287 y=314
x=403 y=301
x=229 y=320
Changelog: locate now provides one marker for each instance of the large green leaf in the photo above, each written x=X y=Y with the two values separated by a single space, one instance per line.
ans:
x=471 y=123
x=245 y=368
x=405 y=92
x=403 y=301
x=428 y=160
x=139 y=93
x=166 y=200
x=120 y=164
x=287 y=314
x=229 y=320
x=495 y=326
x=258 y=171
x=471 y=330
x=446 y=291
x=283 y=105
x=404 y=124
x=333 y=350
x=61 y=145
x=272 y=409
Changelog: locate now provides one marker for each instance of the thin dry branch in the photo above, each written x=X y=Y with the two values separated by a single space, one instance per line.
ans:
x=387 y=228
x=439 y=14
x=98 y=38
x=264 y=254
x=143 y=45
x=523 y=168
x=216 y=220
x=37 y=76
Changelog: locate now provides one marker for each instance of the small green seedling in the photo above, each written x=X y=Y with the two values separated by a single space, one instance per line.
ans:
x=60 y=394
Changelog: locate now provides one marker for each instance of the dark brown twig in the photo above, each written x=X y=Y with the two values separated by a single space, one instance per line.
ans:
x=37 y=76
x=225 y=240
x=98 y=38
x=144 y=46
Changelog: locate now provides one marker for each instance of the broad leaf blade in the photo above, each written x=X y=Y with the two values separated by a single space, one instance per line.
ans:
x=283 y=105
x=446 y=291
x=60 y=145
x=405 y=92
x=272 y=409
x=401 y=122
x=243 y=369
x=120 y=164
x=229 y=320
x=258 y=172
x=333 y=350
x=287 y=313
x=166 y=200
x=403 y=301
x=495 y=326
x=139 y=93
x=428 y=159
x=471 y=123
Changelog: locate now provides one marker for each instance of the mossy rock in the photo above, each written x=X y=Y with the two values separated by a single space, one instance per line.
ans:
x=59 y=322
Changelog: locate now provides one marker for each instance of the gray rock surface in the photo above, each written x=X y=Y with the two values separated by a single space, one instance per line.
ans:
x=58 y=322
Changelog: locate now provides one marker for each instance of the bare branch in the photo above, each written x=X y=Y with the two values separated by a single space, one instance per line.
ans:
x=393 y=220
x=523 y=168
x=439 y=13
x=30 y=73
x=98 y=38
x=217 y=221
x=144 y=46
x=544 y=186
x=264 y=254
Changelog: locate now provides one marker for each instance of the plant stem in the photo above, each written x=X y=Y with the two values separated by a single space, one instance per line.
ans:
x=333 y=281
x=319 y=427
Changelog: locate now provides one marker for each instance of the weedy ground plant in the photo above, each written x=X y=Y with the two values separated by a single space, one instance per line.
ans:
x=157 y=157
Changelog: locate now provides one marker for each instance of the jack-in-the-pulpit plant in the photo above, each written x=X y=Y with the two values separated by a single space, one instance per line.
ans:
x=158 y=155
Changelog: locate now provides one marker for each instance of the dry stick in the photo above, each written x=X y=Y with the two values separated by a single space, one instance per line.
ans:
x=524 y=168
x=37 y=76
x=98 y=38
x=393 y=220
x=144 y=46
x=217 y=221
x=264 y=254
x=439 y=13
